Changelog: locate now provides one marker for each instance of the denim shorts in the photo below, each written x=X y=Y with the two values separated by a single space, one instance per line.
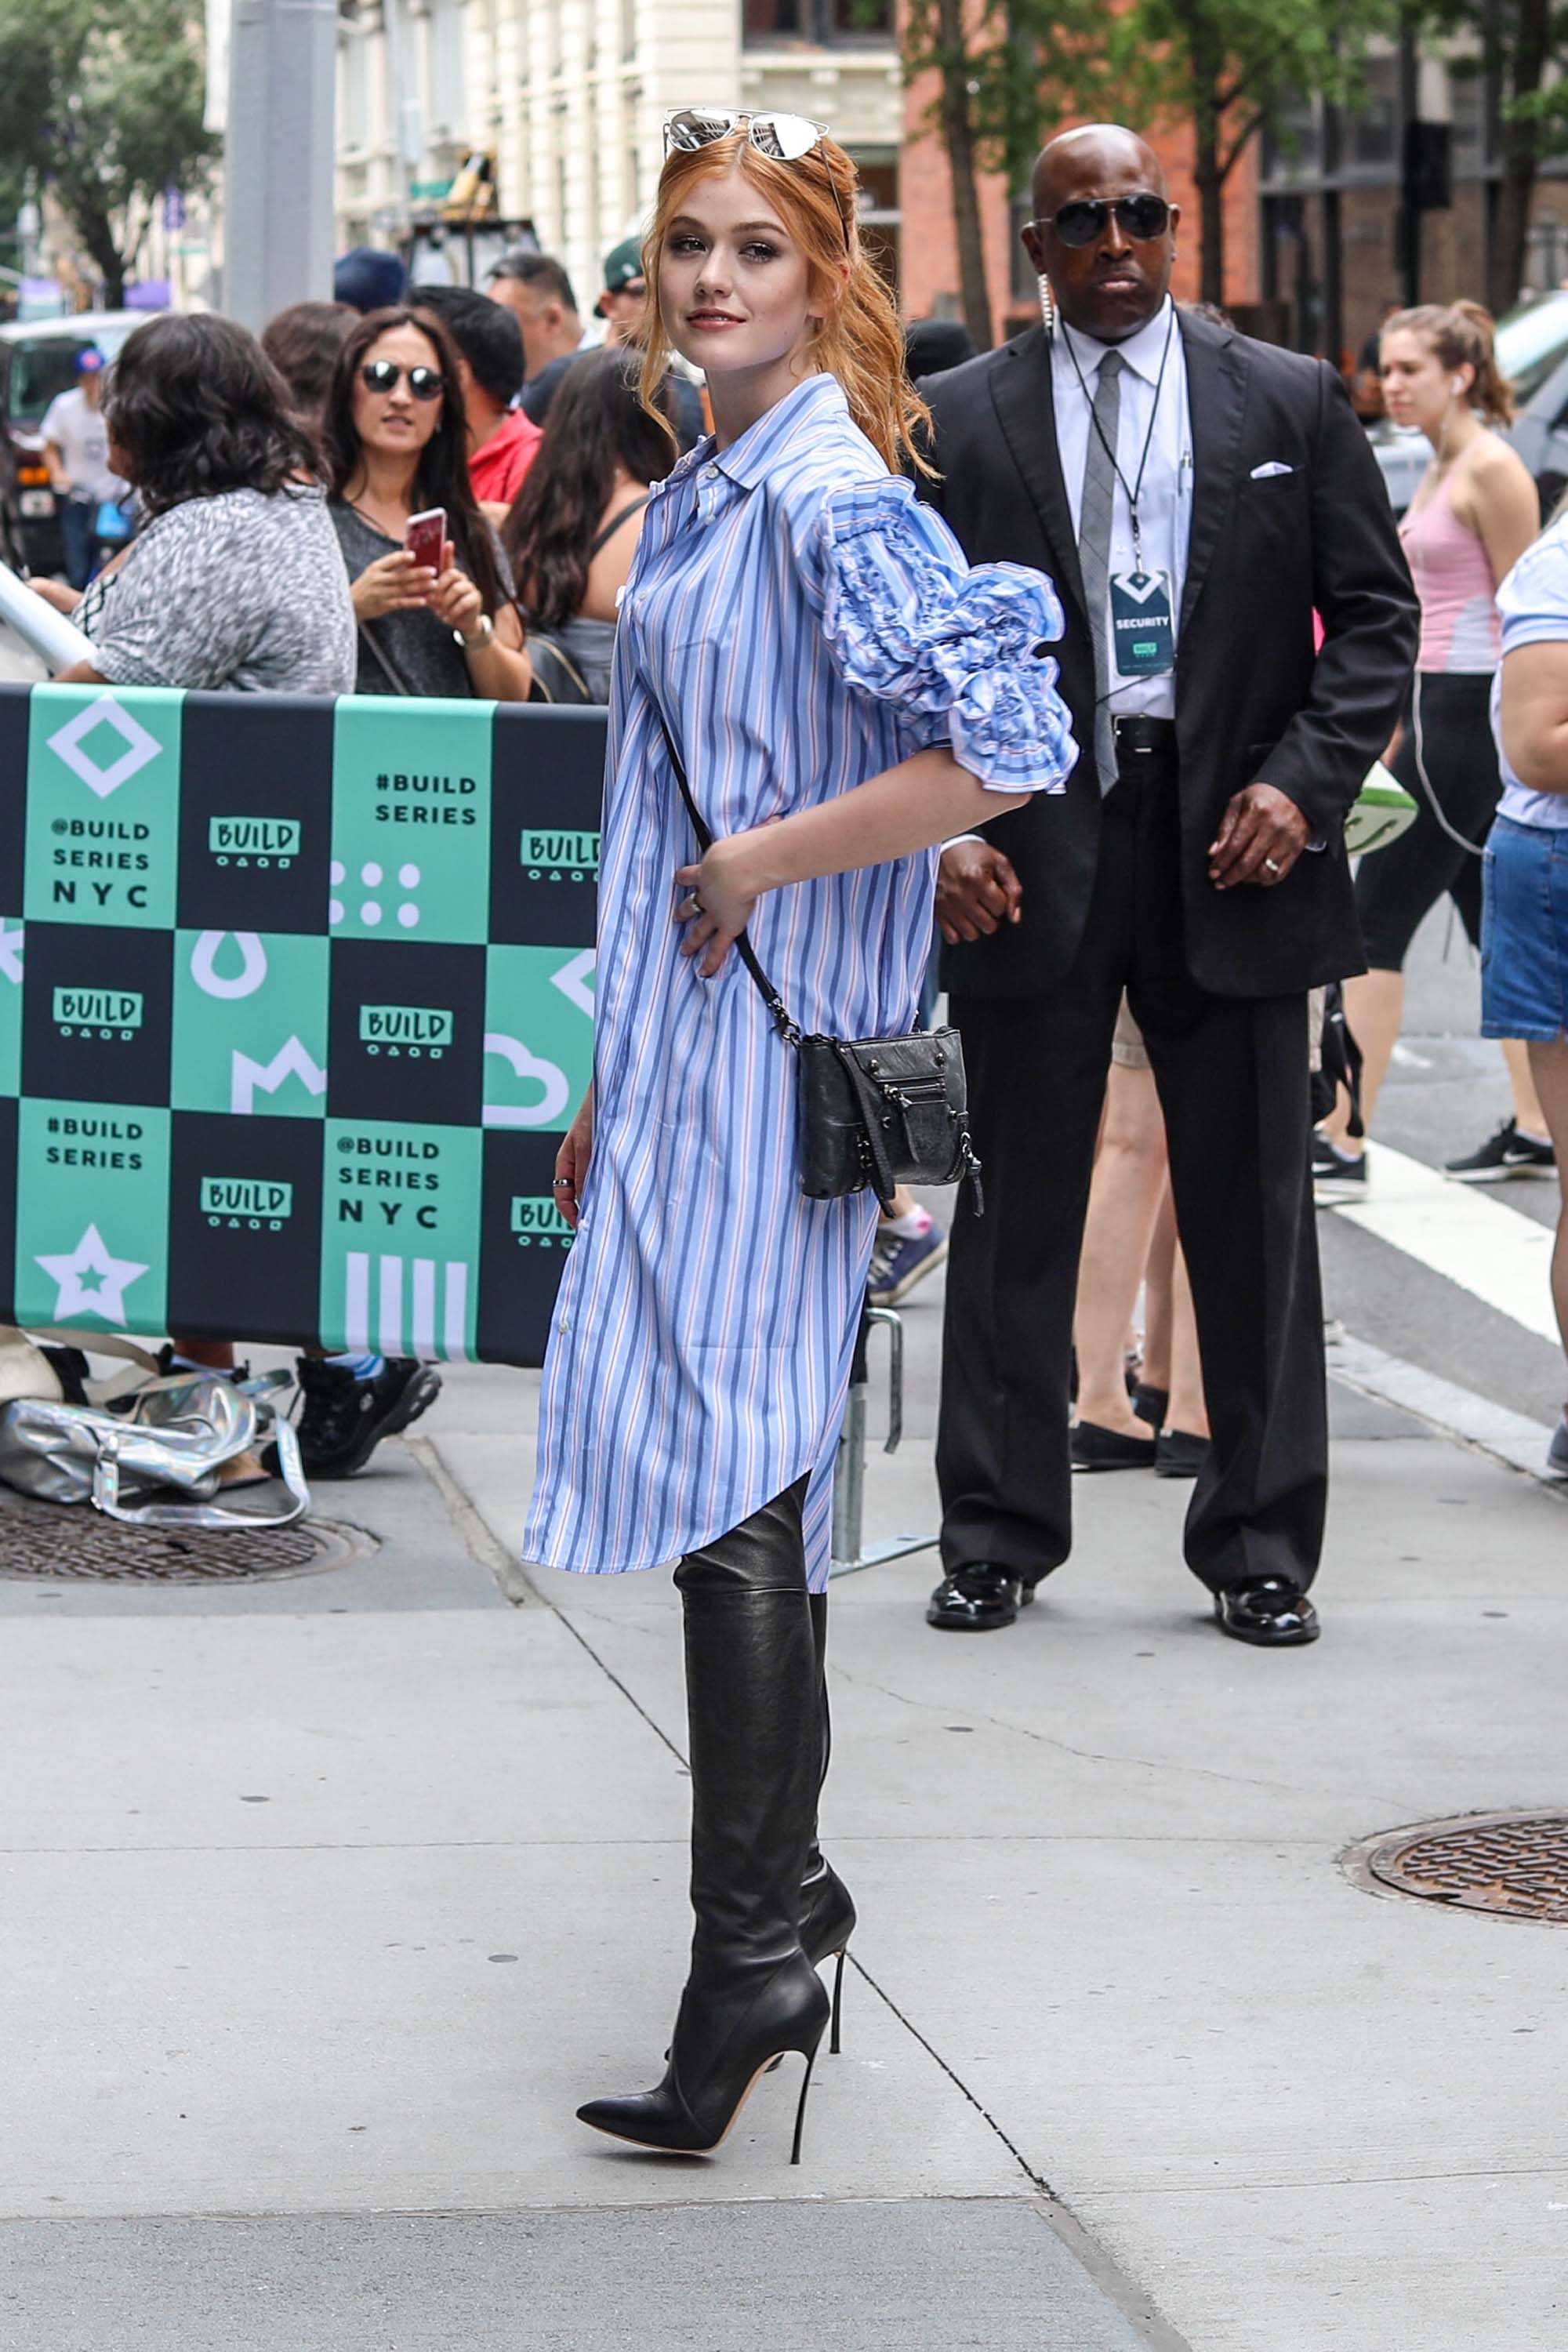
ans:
x=1524 y=932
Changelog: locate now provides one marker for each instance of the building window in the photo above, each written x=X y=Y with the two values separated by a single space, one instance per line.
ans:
x=776 y=20
x=879 y=213
x=822 y=21
x=1373 y=120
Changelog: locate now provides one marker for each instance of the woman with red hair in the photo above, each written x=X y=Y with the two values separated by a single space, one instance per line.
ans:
x=843 y=693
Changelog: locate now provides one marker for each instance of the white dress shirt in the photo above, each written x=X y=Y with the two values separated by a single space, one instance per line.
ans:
x=1165 y=500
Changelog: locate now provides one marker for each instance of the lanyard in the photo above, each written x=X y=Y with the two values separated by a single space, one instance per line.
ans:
x=1131 y=490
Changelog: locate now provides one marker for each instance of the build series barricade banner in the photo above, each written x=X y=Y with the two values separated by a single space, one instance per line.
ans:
x=296 y=1003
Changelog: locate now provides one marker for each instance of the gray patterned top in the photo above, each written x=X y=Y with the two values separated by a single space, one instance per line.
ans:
x=240 y=593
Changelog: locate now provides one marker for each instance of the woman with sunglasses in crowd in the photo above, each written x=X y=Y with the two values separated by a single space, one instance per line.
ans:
x=843 y=693
x=395 y=438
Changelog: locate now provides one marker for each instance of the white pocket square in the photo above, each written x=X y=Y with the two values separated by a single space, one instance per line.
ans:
x=1271 y=466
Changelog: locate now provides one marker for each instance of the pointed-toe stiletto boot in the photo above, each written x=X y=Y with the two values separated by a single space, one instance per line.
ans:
x=753 y=1709
x=827 y=1908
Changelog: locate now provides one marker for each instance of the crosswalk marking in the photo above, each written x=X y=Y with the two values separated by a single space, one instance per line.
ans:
x=1490 y=1250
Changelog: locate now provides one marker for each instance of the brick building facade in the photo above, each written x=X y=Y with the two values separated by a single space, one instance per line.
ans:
x=929 y=271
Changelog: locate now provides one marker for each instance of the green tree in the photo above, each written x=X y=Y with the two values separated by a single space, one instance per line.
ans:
x=1007 y=72
x=1515 y=41
x=103 y=100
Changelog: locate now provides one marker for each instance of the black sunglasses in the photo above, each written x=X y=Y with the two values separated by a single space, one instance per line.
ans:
x=1080 y=222
x=386 y=375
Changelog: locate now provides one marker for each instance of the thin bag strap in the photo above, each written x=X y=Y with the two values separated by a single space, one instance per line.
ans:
x=621 y=515
x=378 y=654
x=786 y=1028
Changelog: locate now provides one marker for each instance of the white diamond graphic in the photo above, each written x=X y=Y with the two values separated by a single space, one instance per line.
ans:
x=140 y=747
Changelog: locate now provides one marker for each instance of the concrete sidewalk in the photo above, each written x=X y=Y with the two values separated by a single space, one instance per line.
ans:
x=326 y=1902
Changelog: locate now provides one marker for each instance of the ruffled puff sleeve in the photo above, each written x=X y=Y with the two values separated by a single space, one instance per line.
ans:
x=961 y=649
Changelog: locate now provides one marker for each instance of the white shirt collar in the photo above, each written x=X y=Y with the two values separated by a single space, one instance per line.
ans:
x=1142 y=352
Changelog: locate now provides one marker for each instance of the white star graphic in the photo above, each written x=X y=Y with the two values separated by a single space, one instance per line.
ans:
x=115 y=1276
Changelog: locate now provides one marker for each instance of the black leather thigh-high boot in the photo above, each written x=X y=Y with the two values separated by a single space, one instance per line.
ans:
x=827 y=1909
x=754 y=1712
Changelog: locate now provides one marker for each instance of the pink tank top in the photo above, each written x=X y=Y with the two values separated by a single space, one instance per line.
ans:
x=1459 y=625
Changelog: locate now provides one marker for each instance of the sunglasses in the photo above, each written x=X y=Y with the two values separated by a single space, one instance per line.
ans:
x=784 y=137
x=385 y=375
x=1137 y=217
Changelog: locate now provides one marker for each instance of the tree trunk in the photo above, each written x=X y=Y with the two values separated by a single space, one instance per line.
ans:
x=1204 y=71
x=1210 y=186
x=958 y=138
x=1505 y=272
x=97 y=233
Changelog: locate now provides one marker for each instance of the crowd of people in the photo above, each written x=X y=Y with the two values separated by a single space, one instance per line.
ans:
x=902 y=640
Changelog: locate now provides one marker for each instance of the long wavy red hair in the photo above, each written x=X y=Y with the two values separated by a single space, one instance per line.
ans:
x=858 y=340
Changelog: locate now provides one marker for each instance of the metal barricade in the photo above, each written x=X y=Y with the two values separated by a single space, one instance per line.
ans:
x=849 y=1550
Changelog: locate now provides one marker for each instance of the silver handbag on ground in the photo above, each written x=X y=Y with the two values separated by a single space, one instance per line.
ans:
x=169 y=1444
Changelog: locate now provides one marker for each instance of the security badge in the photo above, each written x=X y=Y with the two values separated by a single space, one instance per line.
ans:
x=1143 y=630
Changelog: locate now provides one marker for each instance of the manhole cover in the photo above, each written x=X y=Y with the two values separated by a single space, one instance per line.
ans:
x=48 y=1539
x=1515 y=1864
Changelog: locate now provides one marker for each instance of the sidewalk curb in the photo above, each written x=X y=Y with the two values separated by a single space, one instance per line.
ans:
x=1455 y=1413
x=472 y=1526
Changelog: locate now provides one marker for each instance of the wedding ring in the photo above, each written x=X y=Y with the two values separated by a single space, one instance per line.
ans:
x=561 y=1184
x=1271 y=865
x=697 y=906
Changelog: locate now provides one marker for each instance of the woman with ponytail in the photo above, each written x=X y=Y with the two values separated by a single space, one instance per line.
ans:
x=1471 y=520
x=806 y=644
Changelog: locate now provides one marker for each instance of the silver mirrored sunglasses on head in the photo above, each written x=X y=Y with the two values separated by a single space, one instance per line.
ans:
x=786 y=138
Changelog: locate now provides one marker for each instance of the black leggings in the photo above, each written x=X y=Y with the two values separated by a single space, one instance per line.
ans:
x=1396 y=888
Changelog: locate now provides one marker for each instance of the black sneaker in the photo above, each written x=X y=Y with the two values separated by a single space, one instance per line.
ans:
x=345 y=1418
x=1336 y=1175
x=1507 y=1153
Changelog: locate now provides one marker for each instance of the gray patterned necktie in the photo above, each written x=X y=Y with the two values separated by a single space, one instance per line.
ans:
x=1094 y=550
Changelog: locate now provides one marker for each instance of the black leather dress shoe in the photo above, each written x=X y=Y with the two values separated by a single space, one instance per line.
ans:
x=1269 y=1612
x=977 y=1599
x=1179 y=1454
x=1093 y=1448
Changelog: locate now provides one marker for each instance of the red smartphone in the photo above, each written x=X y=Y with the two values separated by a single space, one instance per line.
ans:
x=427 y=536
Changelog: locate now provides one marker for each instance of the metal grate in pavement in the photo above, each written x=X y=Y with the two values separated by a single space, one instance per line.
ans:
x=76 y=1543
x=1514 y=1865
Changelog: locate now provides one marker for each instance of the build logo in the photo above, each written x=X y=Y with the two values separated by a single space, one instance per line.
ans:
x=260 y=840
x=105 y=1013
x=556 y=857
x=255 y=1203
x=536 y=1218
x=416 y=1029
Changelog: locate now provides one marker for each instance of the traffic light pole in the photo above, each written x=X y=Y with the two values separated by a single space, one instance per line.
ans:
x=278 y=156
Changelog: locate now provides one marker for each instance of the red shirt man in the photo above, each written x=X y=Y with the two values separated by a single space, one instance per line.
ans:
x=496 y=469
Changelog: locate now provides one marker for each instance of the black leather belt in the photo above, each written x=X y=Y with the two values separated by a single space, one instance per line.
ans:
x=1138 y=737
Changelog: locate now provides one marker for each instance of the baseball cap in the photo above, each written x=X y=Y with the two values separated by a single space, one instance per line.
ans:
x=622 y=265
x=90 y=361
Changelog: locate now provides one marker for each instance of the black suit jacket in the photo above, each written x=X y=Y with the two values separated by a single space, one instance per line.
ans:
x=1253 y=698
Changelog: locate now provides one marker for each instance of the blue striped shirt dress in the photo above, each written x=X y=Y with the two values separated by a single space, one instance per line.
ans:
x=802 y=623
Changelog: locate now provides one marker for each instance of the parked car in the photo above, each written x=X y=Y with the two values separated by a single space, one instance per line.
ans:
x=37 y=360
x=1533 y=353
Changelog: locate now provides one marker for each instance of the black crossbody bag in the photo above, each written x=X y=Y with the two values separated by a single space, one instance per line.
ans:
x=877 y=1111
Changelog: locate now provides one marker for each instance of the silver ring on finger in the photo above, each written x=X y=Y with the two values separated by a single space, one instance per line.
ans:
x=1271 y=865
x=697 y=906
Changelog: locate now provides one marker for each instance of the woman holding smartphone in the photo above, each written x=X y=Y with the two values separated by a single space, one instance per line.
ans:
x=394 y=438
x=844 y=694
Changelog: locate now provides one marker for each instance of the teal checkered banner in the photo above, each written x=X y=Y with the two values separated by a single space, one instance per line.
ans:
x=296 y=1003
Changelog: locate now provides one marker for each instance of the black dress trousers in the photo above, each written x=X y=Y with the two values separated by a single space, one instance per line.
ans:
x=1233 y=1080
